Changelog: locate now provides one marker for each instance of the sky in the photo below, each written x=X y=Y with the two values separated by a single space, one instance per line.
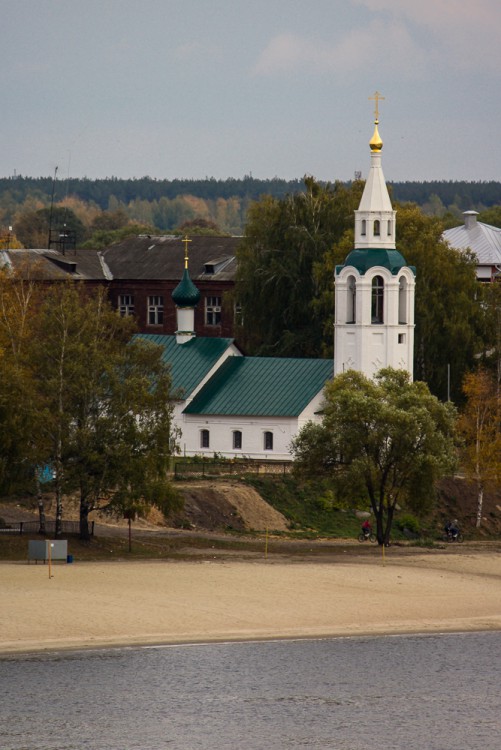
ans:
x=191 y=89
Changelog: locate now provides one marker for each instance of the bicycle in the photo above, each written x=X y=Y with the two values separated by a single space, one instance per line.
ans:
x=367 y=537
x=459 y=538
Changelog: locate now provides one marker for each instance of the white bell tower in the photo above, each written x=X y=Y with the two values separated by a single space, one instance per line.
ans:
x=374 y=289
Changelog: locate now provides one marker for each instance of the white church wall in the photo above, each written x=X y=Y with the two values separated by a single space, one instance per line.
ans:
x=221 y=431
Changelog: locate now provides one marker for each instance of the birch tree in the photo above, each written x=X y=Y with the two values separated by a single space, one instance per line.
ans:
x=480 y=428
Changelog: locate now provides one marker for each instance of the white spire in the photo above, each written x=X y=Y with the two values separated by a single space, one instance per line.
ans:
x=375 y=217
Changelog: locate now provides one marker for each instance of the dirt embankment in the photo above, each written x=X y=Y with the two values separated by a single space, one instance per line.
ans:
x=226 y=506
x=208 y=506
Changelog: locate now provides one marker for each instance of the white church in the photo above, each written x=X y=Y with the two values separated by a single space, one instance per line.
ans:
x=252 y=407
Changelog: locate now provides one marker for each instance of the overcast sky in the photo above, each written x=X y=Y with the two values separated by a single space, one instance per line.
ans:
x=193 y=89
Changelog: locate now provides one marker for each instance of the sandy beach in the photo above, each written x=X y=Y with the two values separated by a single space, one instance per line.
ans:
x=120 y=603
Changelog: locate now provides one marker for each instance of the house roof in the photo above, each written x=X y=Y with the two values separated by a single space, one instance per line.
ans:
x=192 y=361
x=483 y=239
x=78 y=264
x=162 y=257
x=262 y=386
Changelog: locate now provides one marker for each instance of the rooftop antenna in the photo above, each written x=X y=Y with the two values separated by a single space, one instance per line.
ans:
x=52 y=205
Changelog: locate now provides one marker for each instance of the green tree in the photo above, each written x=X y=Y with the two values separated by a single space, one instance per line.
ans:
x=32 y=227
x=388 y=439
x=102 y=238
x=18 y=409
x=106 y=404
x=277 y=286
x=491 y=216
x=480 y=429
x=201 y=227
x=450 y=326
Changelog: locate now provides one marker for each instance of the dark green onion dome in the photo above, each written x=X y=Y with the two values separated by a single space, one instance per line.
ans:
x=364 y=259
x=186 y=294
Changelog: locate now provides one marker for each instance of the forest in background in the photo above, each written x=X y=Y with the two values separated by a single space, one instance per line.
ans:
x=102 y=211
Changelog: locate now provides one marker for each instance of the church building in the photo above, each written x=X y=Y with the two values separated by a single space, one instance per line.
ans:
x=252 y=407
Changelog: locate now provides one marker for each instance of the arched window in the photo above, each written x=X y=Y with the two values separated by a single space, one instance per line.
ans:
x=364 y=225
x=204 y=439
x=351 y=300
x=377 y=228
x=402 y=300
x=237 y=440
x=377 y=300
x=389 y=228
x=268 y=441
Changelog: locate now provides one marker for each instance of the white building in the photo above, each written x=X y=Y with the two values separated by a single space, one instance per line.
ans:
x=483 y=240
x=374 y=288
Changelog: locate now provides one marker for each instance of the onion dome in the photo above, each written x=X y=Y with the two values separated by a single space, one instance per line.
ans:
x=186 y=293
x=376 y=143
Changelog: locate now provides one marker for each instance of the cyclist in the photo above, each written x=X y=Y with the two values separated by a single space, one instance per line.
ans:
x=366 y=528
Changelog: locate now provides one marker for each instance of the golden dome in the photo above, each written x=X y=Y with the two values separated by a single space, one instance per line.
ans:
x=375 y=142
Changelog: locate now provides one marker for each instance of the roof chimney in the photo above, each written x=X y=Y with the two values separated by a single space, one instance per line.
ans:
x=470 y=219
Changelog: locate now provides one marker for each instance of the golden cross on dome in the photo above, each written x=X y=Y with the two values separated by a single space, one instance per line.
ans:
x=377 y=97
x=186 y=239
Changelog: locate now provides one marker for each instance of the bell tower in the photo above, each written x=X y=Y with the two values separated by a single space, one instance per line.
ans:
x=374 y=288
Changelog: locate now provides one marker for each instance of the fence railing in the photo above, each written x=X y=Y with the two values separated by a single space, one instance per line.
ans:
x=33 y=527
x=188 y=469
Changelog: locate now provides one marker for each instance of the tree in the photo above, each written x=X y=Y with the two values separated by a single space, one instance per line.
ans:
x=491 y=304
x=276 y=285
x=19 y=415
x=449 y=318
x=388 y=439
x=480 y=429
x=200 y=227
x=106 y=404
x=32 y=227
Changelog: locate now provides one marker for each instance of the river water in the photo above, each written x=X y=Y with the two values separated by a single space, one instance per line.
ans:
x=433 y=692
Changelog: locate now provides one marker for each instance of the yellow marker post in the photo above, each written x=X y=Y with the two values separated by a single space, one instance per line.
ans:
x=50 y=559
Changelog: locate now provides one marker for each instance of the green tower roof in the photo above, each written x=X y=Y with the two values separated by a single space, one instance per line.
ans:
x=186 y=294
x=364 y=259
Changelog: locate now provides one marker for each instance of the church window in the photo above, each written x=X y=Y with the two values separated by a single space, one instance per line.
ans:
x=389 y=228
x=204 y=439
x=155 y=310
x=377 y=228
x=363 y=230
x=401 y=338
x=377 y=299
x=126 y=304
x=212 y=311
x=402 y=301
x=268 y=441
x=351 y=300
x=237 y=440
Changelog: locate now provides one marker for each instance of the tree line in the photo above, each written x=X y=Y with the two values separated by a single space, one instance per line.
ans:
x=164 y=205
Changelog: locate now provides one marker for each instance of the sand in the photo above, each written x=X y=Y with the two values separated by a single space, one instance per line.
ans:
x=120 y=603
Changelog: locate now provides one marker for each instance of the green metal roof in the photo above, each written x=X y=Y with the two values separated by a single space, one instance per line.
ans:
x=364 y=259
x=262 y=386
x=189 y=362
x=186 y=293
